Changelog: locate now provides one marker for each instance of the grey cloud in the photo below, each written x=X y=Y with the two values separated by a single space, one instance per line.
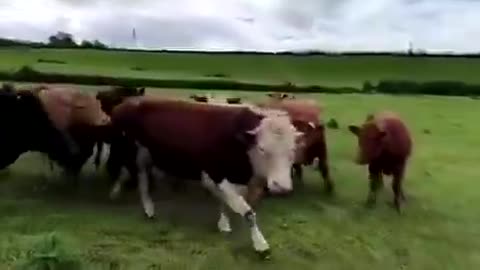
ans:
x=161 y=32
x=252 y=24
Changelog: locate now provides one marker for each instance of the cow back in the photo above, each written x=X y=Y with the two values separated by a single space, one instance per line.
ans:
x=68 y=107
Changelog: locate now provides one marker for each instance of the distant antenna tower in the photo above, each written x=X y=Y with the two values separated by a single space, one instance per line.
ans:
x=134 y=37
x=410 y=47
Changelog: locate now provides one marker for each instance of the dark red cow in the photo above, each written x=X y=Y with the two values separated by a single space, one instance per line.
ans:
x=222 y=145
x=108 y=100
x=385 y=145
x=305 y=115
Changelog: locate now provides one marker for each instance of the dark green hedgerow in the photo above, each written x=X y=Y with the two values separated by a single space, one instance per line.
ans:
x=445 y=88
x=29 y=74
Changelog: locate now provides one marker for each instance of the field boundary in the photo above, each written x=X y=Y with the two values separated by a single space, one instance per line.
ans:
x=398 y=87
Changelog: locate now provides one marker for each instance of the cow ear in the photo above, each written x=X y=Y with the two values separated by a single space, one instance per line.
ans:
x=354 y=129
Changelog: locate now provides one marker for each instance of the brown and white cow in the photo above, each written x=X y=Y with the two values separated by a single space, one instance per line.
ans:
x=222 y=145
x=305 y=115
x=385 y=145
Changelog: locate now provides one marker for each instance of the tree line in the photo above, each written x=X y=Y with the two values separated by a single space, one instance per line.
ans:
x=59 y=40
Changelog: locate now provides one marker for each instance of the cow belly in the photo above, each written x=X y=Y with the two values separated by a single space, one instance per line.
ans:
x=177 y=167
x=189 y=166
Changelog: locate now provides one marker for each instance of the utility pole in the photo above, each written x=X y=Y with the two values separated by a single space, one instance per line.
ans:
x=134 y=37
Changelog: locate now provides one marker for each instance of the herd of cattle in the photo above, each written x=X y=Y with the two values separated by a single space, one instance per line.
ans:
x=240 y=151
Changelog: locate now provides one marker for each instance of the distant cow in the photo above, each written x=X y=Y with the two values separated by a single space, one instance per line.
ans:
x=385 y=145
x=199 y=98
x=222 y=145
x=26 y=126
x=280 y=96
x=210 y=99
x=305 y=115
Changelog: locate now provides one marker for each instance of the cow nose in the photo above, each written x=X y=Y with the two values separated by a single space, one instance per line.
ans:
x=278 y=189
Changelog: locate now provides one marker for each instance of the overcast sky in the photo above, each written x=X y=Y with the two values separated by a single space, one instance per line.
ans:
x=266 y=25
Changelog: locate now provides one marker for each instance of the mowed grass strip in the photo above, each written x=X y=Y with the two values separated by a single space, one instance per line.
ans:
x=438 y=229
x=349 y=71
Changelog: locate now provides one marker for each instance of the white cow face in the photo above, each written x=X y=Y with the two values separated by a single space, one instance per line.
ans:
x=273 y=153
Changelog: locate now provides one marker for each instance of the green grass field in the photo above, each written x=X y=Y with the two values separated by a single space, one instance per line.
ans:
x=438 y=229
x=314 y=70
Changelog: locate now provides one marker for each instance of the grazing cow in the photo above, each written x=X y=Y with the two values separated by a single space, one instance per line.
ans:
x=78 y=114
x=26 y=126
x=210 y=99
x=222 y=145
x=385 y=145
x=305 y=115
x=199 y=98
x=280 y=96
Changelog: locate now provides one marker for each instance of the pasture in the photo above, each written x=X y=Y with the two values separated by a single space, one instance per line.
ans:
x=437 y=230
x=332 y=70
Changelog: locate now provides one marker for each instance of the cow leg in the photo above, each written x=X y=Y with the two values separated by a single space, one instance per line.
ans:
x=223 y=223
x=121 y=178
x=144 y=165
x=325 y=172
x=376 y=181
x=397 y=188
x=297 y=172
x=255 y=191
x=238 y=204
x=98 y=155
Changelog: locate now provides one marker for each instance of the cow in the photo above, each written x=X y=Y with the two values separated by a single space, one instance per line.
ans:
x=79 y=115
x=385 y=145
x=305 y=115
x=210 y=99
x=108 y=100
x=25 y=126
x=221 y=145
x=199 y=98
x=280 y=96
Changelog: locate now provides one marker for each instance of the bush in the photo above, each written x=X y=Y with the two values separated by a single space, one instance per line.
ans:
x=449 y=88
x=41 y=60
x=368 y=87
x=27 y=73
x=445 y=88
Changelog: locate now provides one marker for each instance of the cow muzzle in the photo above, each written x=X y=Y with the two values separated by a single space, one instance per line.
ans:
x=276 y=189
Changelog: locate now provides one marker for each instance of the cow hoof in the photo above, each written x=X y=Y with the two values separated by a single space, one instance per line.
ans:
x=265 y=254
x=330 y=190
x=370 y=203
x=149 y=217
x=398 y=208
x=114 y=195
x=224 y=225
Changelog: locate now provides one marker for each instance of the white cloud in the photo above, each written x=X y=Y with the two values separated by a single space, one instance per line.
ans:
x=252 y=24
